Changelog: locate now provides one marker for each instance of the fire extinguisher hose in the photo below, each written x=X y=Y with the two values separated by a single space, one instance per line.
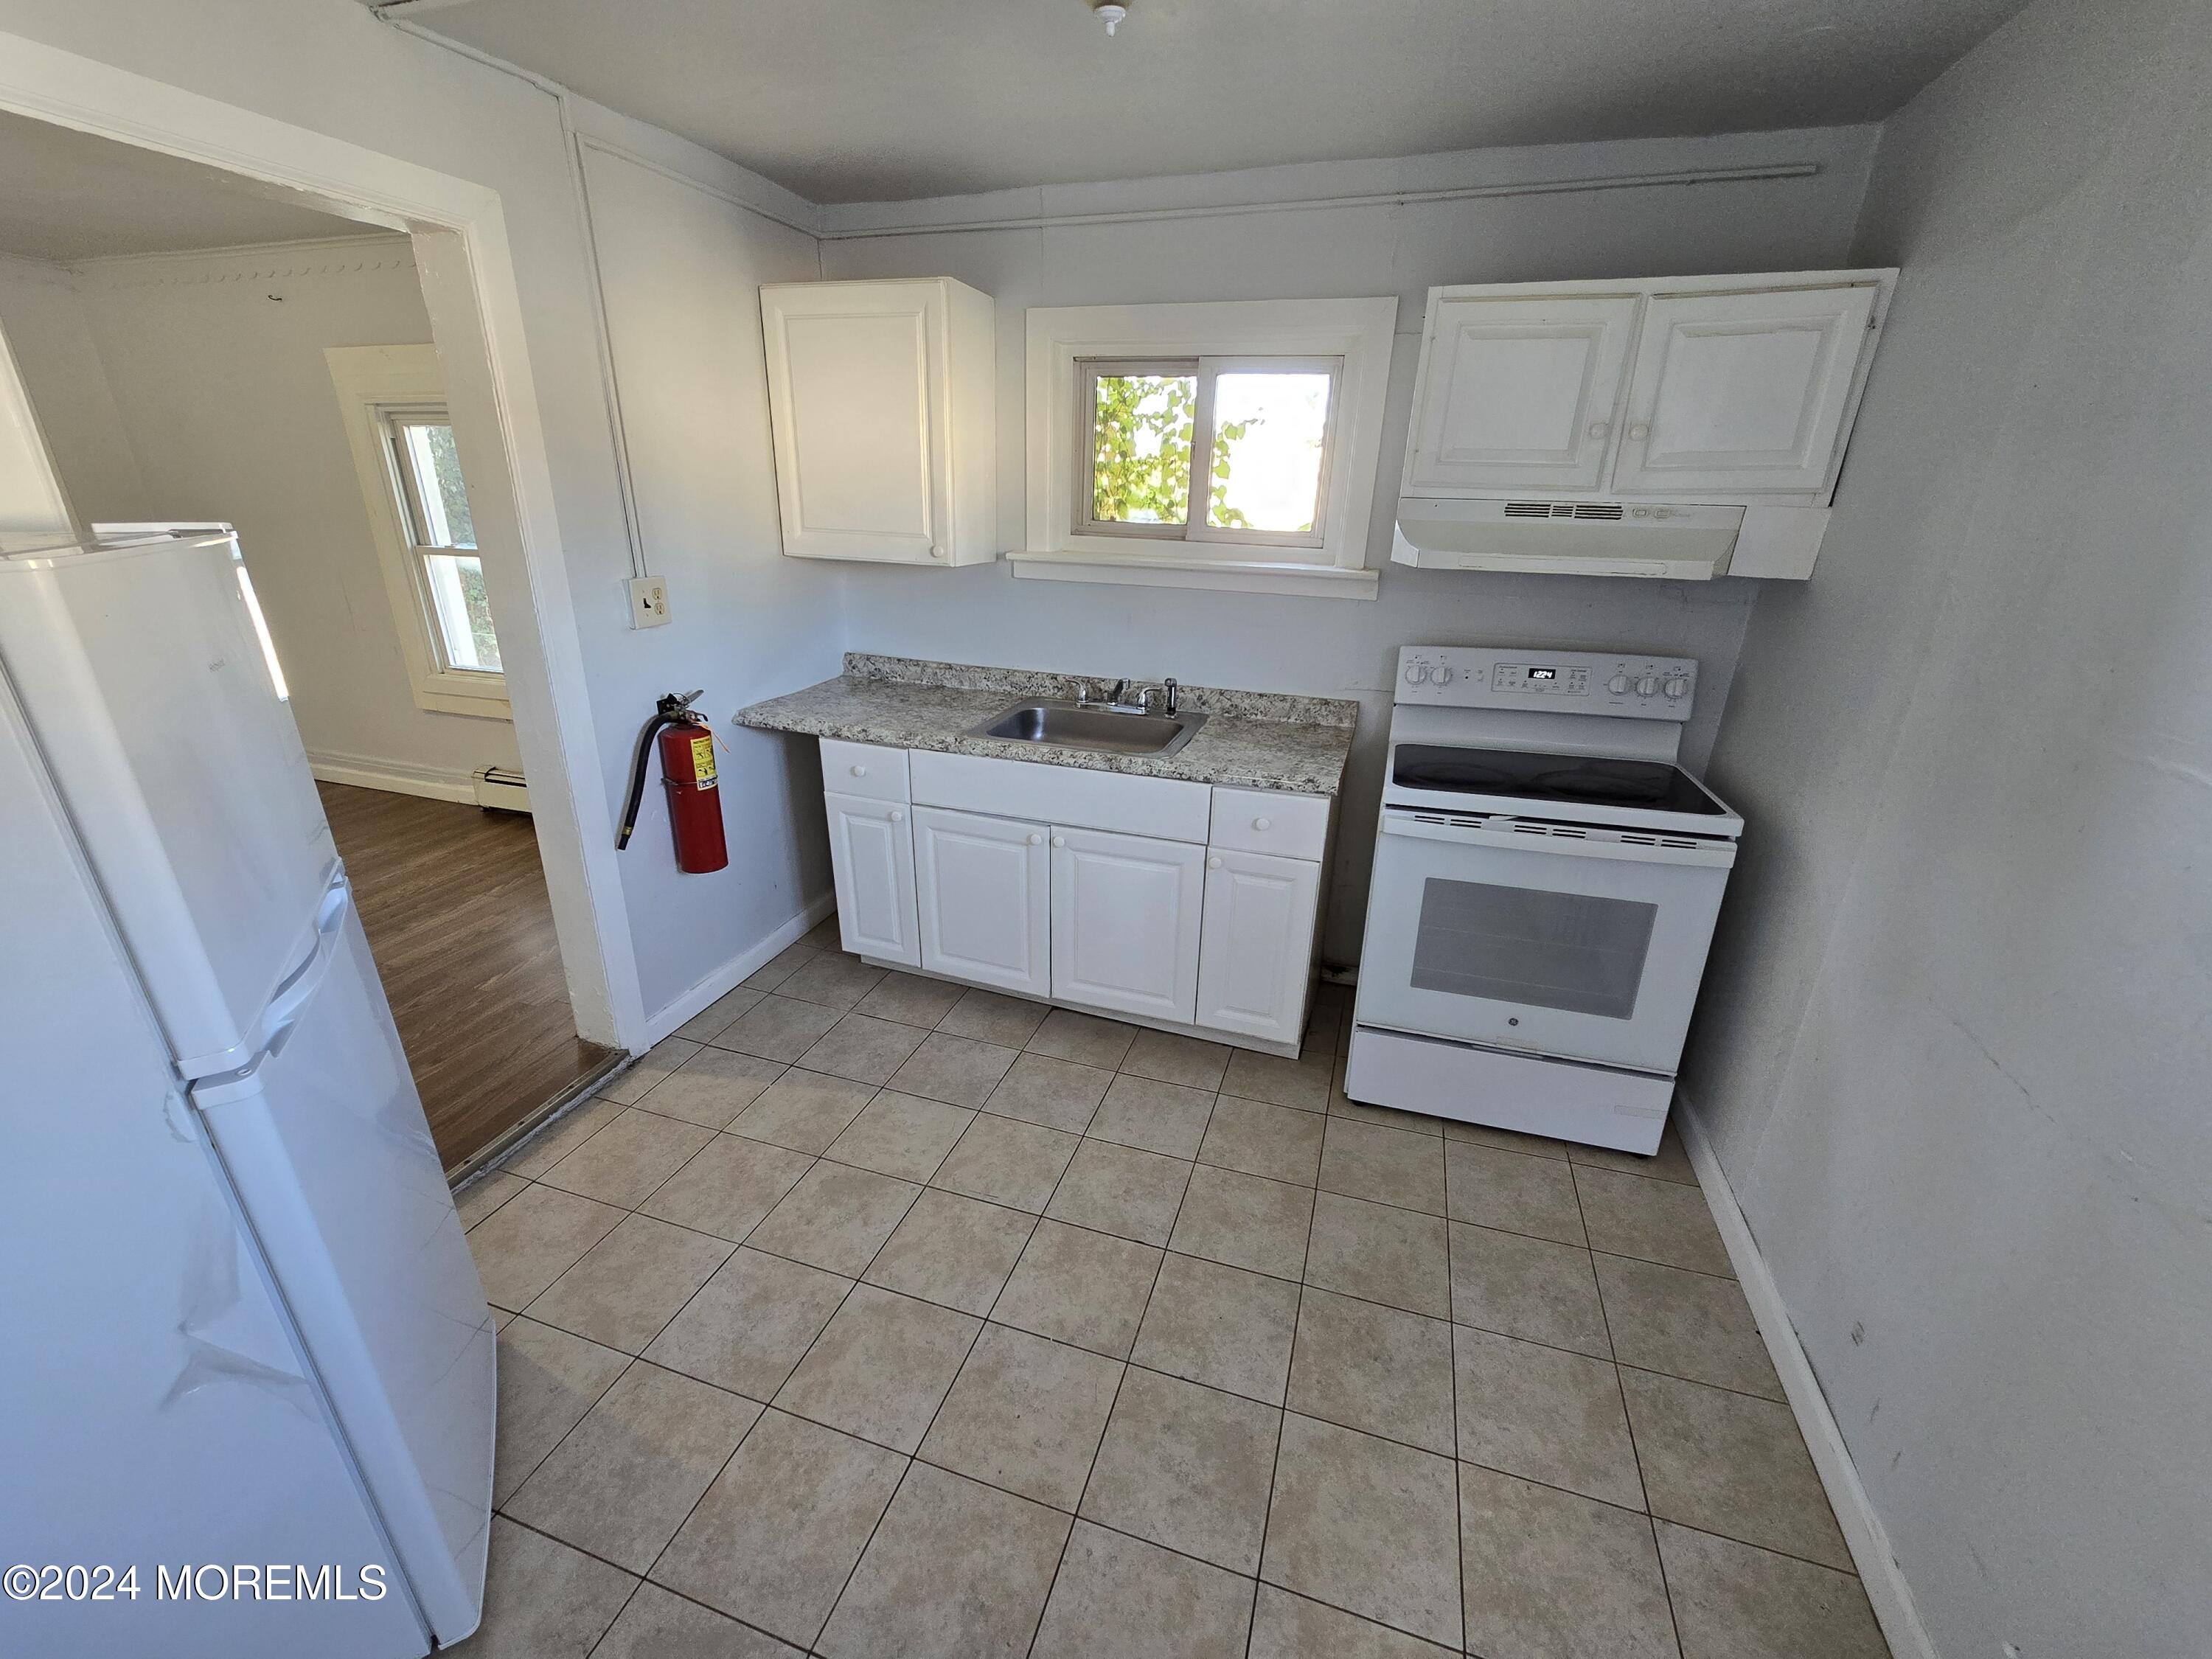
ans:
x=669 y=711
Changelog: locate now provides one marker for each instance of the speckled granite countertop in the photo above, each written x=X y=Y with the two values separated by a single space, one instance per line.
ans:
x=1251 y=739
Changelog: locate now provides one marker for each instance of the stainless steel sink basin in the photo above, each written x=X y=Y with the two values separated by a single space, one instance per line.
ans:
x=1064 y=724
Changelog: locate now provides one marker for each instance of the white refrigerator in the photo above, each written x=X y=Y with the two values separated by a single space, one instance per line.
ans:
x=240 y=1331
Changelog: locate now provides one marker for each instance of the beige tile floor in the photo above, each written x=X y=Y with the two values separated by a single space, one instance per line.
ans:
x=868 y=1316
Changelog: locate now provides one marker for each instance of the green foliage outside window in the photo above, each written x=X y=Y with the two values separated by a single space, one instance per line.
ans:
x=1141 y=433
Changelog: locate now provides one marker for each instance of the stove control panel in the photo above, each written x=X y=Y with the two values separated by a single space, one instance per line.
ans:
x=1624 y=684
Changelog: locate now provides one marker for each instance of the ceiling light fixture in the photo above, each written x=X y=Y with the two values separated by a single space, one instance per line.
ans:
x=1110 y=14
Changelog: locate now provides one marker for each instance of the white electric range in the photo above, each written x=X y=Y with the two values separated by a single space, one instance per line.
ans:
x=1546 y=884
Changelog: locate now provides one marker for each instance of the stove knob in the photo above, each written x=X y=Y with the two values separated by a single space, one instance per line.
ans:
x=1646 y=686
x=1618 y=685
x=1443 y=676
x=1677 y=686
x=1417 y=675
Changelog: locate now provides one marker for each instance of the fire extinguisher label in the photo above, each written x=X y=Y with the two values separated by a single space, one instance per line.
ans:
x=702 y=761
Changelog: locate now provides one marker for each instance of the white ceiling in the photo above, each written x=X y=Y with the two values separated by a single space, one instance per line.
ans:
x=66 y=196
x=847 y=100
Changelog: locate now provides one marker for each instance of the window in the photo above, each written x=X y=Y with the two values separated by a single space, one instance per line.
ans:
x=418 y=508
x=1255 y=429
x=434 y=505
x=1206 y=446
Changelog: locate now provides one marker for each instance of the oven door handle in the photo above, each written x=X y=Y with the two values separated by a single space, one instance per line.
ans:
x=1712 y=854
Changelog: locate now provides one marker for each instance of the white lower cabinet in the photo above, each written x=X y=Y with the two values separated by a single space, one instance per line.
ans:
x=1144 y=919
x=983 y=887
x=1257 y=947
x=1125 y=922
x=872 y=856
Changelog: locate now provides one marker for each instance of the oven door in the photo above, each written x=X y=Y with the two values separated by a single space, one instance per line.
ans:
x=1585 y=943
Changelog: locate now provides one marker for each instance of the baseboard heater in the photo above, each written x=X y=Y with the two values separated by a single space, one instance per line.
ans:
x=501 y=789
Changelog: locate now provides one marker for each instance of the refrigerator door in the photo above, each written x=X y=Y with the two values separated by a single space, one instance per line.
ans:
x=158 y=1410
x=325 y=1144
x=143 y=670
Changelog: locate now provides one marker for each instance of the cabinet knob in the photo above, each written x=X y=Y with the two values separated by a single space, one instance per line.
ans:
x=1640 y=431
x=935 y=551
x=1213 y=864
x=1036 y=841
x=1258 y=824
x=1060 y=841
x=898 y=815
x=860 y=771
x=1599 y=428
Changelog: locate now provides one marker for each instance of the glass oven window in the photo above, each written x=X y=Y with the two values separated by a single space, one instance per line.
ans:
x=1568 y=950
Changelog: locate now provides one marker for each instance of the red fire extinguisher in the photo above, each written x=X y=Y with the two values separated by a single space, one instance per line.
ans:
x=687 y=773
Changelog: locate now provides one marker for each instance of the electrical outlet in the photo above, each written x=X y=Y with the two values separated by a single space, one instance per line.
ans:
x=648 y=601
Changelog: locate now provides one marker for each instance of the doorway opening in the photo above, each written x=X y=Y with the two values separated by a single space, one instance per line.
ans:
x=199 y=347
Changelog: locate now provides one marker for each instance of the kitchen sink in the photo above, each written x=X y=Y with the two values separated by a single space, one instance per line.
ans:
x=1061 y=723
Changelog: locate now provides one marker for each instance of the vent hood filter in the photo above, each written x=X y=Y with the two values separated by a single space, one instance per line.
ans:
x=1567 y=538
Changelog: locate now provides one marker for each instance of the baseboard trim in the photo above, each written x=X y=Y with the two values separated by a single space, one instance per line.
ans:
x=1863 y=1532
x=725 y=979
x=364 y=773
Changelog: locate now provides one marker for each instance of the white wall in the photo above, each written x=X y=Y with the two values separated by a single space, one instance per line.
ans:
x=682 y=263
x=43 y=320
x=1330 y=646
x=213 y=365
x=329 y=67
x=1954 y=1050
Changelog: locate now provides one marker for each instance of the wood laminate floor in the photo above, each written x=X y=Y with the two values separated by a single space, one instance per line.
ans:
x=454 y=899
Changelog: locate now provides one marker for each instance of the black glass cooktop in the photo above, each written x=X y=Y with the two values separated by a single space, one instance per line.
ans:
x=1579 y=780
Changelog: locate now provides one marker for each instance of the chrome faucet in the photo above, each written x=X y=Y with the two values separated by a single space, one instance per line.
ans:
x=1120 y=691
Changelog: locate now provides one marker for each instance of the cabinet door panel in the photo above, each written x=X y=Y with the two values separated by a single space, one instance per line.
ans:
x=1125 y=922
x=872 y=854
x=1519 y=394
x=856 y=382
x=1255 y=949
x=1744 y=393
x=984 y=886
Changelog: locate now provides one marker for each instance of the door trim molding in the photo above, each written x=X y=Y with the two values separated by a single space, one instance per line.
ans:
x=470 y=288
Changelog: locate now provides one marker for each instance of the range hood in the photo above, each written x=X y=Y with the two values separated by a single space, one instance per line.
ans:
x=1569 y=539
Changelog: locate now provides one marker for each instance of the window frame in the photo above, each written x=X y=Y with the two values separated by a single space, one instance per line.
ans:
x=379 y=388
x=1352 y=339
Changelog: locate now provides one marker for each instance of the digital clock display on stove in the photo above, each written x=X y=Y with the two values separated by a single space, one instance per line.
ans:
x=1543 y=673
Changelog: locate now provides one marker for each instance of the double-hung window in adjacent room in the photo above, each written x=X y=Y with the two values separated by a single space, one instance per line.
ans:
x=402 y=437
x=434 y=507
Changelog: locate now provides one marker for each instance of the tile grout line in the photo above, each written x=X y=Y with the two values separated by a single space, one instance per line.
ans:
x=1128 y=1363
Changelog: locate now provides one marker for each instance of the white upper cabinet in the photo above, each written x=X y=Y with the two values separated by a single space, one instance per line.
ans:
x=1742 y=393
x=1519 y=394
x=881 y=399
x=1720 y=391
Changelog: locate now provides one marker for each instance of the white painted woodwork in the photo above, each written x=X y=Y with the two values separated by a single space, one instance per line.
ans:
x=1172 y=809
x=869 y=769
x=1255 y=947
x=882 y=404
x=1125 y=922
x=1519 y=393
x=1743 y=393
x=1270 y=821
x=984 y=887
x=872 y=858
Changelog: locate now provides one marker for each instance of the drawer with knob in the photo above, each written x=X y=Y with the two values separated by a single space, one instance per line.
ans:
x=867 y=769
x=1264 y=821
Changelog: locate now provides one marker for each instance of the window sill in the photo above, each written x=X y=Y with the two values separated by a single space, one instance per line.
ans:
x=1316 y=581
